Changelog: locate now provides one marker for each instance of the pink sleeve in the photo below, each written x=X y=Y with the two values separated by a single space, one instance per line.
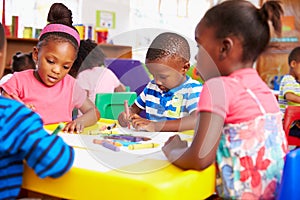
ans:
x=114 y=79
x=79 y=96
x=213 y=97
x=12 y=86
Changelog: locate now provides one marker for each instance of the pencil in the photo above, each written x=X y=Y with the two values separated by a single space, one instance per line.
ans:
x=126 y=108
x=58 y=128
x=142 y=146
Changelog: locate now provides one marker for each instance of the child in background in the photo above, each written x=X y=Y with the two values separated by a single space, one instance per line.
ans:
x=239 y=122
x=22 y=137
x=90 y=72
x=170 y=100
x=20 y=62
x=289 y=90
x=49 y=90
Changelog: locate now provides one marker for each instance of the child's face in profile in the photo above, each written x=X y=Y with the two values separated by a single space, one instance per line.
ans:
x=295 y=65
x=167 y=72
x=54 y=61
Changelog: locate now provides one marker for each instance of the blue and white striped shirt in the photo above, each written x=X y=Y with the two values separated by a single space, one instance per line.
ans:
x=174 y=104
x=22 y=137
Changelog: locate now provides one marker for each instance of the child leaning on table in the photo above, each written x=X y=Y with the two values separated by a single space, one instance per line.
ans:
x=22 y=138
x=289 y=90
x=239 y=121
x=49 y=90
x=170 y=99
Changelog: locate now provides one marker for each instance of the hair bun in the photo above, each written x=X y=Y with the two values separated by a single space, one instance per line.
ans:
x=60 y=14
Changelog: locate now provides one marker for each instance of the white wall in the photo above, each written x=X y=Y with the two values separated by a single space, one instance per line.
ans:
x=120 y=7
x=139 y=33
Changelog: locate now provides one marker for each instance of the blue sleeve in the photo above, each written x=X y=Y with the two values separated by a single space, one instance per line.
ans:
x=24 y=136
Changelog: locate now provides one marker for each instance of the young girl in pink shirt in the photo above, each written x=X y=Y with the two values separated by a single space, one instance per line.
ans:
x=49 y=90
x=239 y=122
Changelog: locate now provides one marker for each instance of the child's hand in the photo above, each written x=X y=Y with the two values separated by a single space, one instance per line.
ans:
x=30 y=106
x=74 y=127
x=142 y=124
x=172 y=143
x=123 y=119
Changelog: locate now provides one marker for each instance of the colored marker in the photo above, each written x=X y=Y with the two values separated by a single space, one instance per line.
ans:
x=110 y=146
x=109 y=127
x=58 y=128
x=126 y=109
x=142 y=146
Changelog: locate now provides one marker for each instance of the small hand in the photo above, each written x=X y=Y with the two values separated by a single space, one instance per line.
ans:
x=173 y=143
x=123 y=119
x=142 y=124
x=74 y=127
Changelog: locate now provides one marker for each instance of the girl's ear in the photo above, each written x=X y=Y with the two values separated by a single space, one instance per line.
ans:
x=225 y=48
x=35 y=54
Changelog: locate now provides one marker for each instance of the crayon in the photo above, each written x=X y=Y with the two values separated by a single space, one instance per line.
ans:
x=58 y=128
x=126 y=109
x=125 y=143
x=110 y=146
x=142 y=146
x=116 y=143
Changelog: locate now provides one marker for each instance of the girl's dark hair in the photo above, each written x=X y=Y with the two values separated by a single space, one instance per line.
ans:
x=22 y=61
x=89 y=55
x=242 y=19
x=59 y=14
x=294 y=55
x=166 y=44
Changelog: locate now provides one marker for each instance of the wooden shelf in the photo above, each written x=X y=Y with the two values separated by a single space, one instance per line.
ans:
x=116 y=51
x=26 y=45
x=18 y=44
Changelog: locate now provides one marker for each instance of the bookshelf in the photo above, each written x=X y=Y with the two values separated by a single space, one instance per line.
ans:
x=26 y=45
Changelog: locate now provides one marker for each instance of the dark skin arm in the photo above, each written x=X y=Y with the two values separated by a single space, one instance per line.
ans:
x=182 y=124
x=139 y=123
x=289 y=96
x=202 y=152
x=90 y=115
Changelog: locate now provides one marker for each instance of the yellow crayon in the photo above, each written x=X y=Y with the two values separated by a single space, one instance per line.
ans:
x=142 y=146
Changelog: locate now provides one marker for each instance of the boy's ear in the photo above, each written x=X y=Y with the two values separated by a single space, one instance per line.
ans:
x=225 y=48
x=35 y=54
x=186 y=67
x=293 y=63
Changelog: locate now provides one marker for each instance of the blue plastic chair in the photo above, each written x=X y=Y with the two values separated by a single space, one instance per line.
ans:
x=289 y=186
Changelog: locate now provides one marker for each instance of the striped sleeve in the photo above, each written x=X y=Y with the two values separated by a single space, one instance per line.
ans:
x=24 y=135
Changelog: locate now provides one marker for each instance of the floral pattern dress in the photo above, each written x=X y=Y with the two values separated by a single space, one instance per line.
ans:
x=251 y=156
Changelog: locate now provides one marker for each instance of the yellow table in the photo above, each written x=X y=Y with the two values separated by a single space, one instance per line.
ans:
x=91 y=179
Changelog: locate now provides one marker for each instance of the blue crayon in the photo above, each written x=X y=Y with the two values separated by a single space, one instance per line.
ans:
x=110 y=146
x=125 y=143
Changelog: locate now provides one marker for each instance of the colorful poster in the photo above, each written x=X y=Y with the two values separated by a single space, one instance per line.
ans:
x=105 y=19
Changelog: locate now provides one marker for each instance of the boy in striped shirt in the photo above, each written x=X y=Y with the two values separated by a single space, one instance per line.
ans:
x=171 y=98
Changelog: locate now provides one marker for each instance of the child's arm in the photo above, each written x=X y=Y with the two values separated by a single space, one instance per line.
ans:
x=123 y=119
x=292 y=97
x=202 y=152
x=182 y=124
x=90 y=116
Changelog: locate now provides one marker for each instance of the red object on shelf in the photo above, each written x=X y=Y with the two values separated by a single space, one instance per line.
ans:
x=101 y=35
x=6 y=28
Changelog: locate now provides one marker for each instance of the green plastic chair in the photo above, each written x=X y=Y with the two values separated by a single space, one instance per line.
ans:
x=110 y=105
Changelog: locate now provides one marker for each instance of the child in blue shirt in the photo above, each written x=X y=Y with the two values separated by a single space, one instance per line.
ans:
x=170 y=99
